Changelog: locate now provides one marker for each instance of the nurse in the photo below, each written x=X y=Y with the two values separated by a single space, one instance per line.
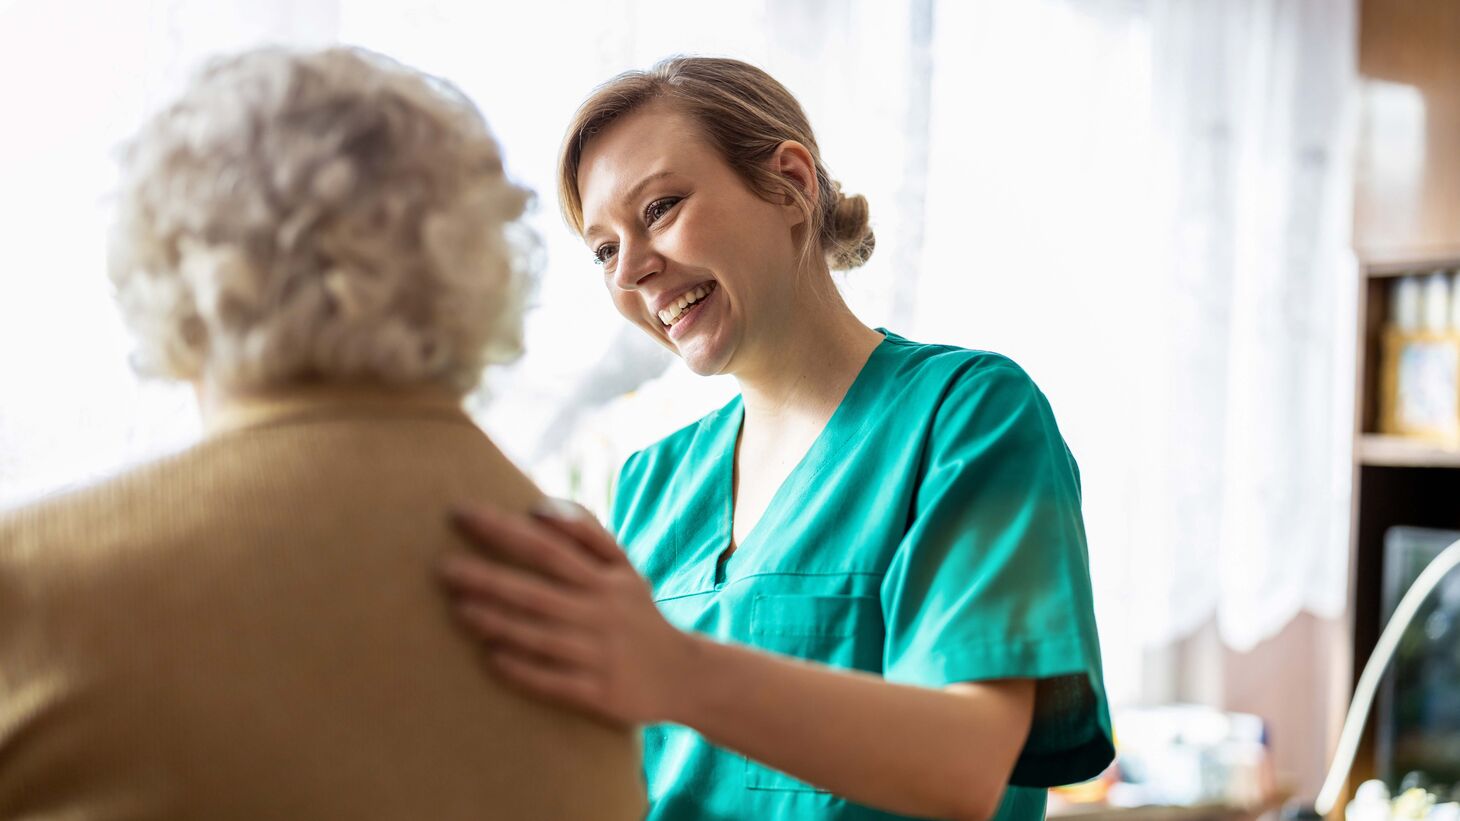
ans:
x=860 y=590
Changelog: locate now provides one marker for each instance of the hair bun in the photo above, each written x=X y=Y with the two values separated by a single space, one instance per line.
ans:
x=848 y=233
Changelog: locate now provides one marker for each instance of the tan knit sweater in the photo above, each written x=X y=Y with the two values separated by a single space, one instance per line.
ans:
x=252 y=629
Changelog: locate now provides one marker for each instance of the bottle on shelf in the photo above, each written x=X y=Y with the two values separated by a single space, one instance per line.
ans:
x=1435 y=310
x=1455 y=302
x=1405 y=304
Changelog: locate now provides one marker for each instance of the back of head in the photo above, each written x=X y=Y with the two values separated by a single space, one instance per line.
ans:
x=745 y=114
x=327 y=215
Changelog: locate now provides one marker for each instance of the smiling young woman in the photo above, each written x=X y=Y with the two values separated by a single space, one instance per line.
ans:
x=860 y=590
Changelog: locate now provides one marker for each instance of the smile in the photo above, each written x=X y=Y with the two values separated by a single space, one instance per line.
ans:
x=682 y=308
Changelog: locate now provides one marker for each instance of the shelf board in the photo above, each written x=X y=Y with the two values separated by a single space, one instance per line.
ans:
x=1398 y=451
x=1398 y=262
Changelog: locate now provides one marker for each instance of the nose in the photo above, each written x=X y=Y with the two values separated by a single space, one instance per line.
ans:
x=637 y=261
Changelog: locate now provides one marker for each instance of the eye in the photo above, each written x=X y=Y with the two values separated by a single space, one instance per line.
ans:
x=603 y=253
x=658 y=208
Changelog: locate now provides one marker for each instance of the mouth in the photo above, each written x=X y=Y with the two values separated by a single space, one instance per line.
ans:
x=688 y=304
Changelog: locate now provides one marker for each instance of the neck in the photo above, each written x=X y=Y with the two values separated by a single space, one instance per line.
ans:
x=223 y=407
x=809 y=364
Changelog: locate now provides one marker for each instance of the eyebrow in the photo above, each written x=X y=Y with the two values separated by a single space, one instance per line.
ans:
x=632 y=194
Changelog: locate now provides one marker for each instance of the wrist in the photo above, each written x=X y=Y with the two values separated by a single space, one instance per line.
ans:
x=693 y=656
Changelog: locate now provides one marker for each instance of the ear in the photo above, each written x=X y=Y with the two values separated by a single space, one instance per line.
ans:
x=793 y=161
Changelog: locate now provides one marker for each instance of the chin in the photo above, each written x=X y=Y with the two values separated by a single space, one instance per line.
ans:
x=705 y=361
x=701 y=368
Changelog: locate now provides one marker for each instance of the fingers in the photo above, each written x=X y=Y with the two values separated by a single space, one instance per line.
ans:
x=553 y=643
x=527 y=541
x=475 y=576
x=574 y=689
x=575 y=522
x=548 y=610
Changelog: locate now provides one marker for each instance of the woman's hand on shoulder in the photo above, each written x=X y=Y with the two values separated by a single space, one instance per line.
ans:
x=563 y=614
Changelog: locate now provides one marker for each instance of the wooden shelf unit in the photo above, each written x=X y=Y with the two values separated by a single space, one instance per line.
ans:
x=1396 y=480
x=1406 y=220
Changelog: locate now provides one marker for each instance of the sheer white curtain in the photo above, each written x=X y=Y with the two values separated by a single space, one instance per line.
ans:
x=1144 y=202
x=1255 y=117
x=1150 y=210
x=76 y=78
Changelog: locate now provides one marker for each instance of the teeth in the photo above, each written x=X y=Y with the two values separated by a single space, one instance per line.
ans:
x=672 y=314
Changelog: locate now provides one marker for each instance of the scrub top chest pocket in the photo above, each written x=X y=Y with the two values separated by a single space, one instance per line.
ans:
x=839 y=630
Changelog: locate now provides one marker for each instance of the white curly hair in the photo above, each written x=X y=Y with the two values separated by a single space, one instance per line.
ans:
x=326 y=215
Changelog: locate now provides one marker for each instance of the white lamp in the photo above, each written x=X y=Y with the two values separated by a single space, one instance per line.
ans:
x=1358 y=709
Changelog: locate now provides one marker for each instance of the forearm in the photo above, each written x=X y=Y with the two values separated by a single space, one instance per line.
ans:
x=911 y=750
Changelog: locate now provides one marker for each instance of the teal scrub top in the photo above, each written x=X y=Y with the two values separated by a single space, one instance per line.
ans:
x=932 y=534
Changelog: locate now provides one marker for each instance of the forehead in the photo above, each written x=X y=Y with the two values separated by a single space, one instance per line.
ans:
x=648 y=141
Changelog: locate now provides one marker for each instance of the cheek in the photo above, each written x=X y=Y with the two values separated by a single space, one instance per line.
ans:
x=691 y=239
x=725 y=238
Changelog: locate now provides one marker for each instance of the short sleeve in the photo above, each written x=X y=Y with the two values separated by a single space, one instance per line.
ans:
x=625 y=493
x=992 y=578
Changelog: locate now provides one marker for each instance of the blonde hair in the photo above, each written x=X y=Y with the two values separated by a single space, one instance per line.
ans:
x=745 y=114
x=325 y=215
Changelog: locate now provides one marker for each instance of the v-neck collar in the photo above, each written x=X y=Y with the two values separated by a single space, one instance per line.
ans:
x=845 y=422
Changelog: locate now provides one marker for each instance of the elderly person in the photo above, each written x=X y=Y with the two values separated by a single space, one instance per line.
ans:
x=326 y=246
